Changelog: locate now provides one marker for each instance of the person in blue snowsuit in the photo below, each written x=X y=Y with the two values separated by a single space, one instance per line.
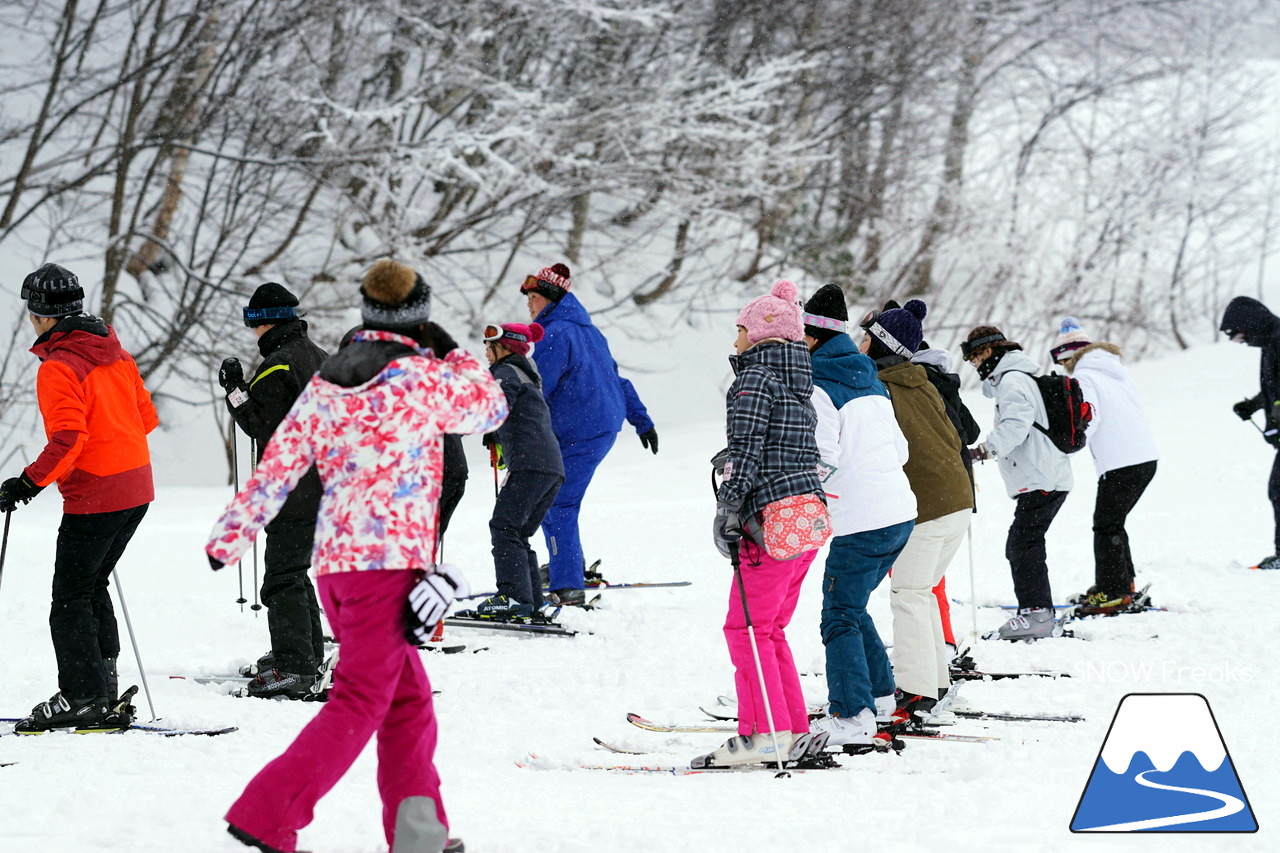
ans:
x=589 y=400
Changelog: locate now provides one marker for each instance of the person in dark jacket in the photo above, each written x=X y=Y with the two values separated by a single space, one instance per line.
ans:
x=589 y=401
x=1248 y=321
x=289 y=359
x=535 y=471
x=97 y=415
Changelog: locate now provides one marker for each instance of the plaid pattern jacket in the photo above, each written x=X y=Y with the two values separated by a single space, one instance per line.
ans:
x=773 y=452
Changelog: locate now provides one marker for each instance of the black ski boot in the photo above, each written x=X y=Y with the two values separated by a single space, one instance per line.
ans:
x=266 y=663
x=249 y=841
x=60 y=712
x=568 y=598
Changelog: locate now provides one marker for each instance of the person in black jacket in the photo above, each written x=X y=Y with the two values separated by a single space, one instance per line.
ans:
x=289 y=358
x=535 y=471
x=1248 y=321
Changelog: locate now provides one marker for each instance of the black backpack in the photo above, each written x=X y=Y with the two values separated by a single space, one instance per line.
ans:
x=1069 y=414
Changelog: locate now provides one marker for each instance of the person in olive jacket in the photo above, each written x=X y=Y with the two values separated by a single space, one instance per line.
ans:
x=944 y=497
x=289 y=359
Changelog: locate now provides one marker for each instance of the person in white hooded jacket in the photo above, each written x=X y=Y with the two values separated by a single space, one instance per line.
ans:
x=1124 y=455
x=873 y=512
x=1037 y=475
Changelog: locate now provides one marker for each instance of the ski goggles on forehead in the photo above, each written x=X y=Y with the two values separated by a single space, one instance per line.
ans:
x=258 y=316
x=968 y=348
x=494 y=333
x=868 y=319
x=824 y=322
x=532 y=283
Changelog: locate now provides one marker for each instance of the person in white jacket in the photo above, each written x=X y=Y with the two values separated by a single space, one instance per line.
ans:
x=1124 y=455
x=1036 y=474
x=872 y=511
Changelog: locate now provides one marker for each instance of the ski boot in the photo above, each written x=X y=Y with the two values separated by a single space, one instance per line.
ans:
x=1030 y=624
x=61 y=712
x=266 y=663
x=454 y=845
x=277 y=684
x=568 y=597
x=1103 y=603
x=740 y=750
x=250 y=841
x=855 y=735
x=501 y=607
x=1269 y=564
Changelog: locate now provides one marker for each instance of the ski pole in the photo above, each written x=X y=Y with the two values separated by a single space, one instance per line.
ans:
x=973 y=589
x=255 y=607
x=235 y=480
x=4 y=545
x=134 y=641
x=755 y=653
x=493 y=463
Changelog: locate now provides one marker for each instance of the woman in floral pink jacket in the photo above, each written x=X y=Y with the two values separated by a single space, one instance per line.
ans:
x=371 y=422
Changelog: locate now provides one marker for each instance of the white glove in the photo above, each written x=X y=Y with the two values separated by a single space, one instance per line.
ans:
x=429 y=600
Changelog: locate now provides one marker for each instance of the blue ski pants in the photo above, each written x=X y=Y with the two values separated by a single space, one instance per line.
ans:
x=858 y=668
x=560 y=526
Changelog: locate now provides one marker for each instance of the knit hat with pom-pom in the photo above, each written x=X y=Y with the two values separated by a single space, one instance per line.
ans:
x=1070 y=338
x=825 y=314
x=777 y=315
x=517 y=337
x=395 y=297
x=898 y=331
x=553 y=282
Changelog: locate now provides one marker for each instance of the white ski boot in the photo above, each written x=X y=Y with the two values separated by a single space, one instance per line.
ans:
x=1030 y=624
x=738 y=750
x=860 y=730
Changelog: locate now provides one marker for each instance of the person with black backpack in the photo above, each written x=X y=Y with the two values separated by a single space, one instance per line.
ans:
x=1036 y=472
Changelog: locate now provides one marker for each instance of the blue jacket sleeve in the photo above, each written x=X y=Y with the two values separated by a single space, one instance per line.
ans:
x=637 y=414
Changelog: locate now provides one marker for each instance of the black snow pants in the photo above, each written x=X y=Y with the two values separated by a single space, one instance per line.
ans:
x=1273 y=492
x=517 y=515
x=82 y=620
x=1118 y=493
x=293 y=612
x=1025 y=548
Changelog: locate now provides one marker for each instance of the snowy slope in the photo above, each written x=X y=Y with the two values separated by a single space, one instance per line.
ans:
x=661 y=653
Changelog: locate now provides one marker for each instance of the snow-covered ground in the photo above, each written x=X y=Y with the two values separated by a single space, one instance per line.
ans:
x=660 y=653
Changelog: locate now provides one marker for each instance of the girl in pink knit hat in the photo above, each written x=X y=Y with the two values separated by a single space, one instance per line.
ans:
x=771 y=461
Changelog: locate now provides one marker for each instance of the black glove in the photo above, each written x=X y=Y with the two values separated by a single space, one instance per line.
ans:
x=231 y=374
x=1245 y=408
x=726 y=529
x=442 y=343
x=17 y=489
x=214 y=563
x=430 y=599
x=650 y=439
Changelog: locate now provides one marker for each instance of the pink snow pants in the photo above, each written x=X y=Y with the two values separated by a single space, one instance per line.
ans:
x=773 y=589
x=379 y=687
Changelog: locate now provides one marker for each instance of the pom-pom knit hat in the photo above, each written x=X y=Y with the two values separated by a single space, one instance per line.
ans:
x=53 y=291
x=395 y=297
x=776 y=315
x=899 y=330
x=553 y=282
x=825 y=314
x=514 y=336
x=1070 y=338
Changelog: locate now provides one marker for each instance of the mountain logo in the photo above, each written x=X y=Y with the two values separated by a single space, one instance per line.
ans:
x=1163 y=767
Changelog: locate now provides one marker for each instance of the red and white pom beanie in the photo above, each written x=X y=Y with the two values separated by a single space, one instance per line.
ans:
x=777 y=315
x=517 y=336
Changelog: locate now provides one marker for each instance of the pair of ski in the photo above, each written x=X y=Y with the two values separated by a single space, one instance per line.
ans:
x=726 y=710
x=125 y=709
